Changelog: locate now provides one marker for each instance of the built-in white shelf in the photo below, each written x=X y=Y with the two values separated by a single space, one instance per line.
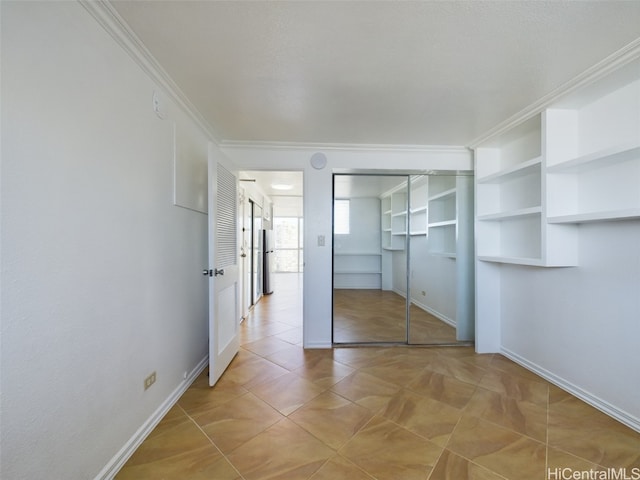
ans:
x=357 y=272
x=516 y=171
x=441 y=240
x=512 y=214
x=442 y=216
x=451 y=255
x=394 y=220
x=603 y=216
x=577 y=161
x=447 y=193
x=357 y=269
x=605 y=157
x=432 y=213
x=418 y=208
x=593 y=156
x=444 y=223
x=536 y=262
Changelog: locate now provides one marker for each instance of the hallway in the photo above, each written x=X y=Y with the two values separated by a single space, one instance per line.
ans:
x=280 y=412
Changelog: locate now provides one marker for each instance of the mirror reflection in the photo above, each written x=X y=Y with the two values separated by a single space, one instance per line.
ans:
x=403 y=259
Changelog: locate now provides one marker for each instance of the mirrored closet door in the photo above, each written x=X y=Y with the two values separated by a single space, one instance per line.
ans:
x=403 y=259
x=365 y=307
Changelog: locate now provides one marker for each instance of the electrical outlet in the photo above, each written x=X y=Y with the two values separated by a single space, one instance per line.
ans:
x=150 y=380
x=423 y=293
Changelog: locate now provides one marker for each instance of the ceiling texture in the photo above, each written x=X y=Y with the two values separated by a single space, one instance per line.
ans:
x=374 y=72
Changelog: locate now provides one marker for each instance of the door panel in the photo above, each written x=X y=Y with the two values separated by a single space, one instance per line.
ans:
x=224 y=316
x=370 y=259
x=227 y=299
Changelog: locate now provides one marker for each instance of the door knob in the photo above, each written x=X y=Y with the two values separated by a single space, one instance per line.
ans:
x=207 y=273
x=218 y=271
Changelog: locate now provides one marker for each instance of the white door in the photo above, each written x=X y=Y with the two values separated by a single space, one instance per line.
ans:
x=224 y=317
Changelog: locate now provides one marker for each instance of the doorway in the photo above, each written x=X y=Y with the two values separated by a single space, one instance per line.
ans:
x=256 y=271
x=273 y=202
x=403 y=259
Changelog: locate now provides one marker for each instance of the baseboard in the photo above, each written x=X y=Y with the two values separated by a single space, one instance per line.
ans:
x=449 y=321
x=116 y=463
x=356 y=286
x=623 y=417
x=317 y=345
x=398 y=292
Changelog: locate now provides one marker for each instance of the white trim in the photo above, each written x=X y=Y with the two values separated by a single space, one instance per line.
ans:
x=449 y=321
x=596 y=402
x=399 y=292
x=107 y=16
x=318 y=345
x=365 y=147
x=433 y=312
x=117 y=462
x=610 y=64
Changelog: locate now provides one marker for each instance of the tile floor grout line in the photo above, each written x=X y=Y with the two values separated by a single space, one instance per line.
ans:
x=495 y=423
x=546 y=452
x=213 y=443
x=445 y=448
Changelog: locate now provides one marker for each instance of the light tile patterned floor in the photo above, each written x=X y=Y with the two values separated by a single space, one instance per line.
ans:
x=280 y=412
x=385 y=313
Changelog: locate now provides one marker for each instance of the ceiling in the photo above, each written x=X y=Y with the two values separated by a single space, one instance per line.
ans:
x=373 y=72
x=265 y=179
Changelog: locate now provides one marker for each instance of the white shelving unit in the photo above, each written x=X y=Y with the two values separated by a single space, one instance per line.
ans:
x=357 y=270
x=394 y=220
x=593 y=152
x=433 y=213
x=442 y=216
x=511 y=215
x=385 y=222
x=576 y=162
x=418 y=210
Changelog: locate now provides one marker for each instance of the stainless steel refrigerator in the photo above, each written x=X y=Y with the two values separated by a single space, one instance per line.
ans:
x=267 y=261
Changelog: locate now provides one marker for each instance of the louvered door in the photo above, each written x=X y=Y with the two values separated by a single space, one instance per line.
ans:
x=224 y=316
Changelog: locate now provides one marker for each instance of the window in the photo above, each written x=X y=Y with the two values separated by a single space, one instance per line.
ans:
x=341 y=217
x=287 y=244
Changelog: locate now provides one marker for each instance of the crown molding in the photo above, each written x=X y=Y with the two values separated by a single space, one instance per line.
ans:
x=351 y=147
x=107 y=16
x=610 y=64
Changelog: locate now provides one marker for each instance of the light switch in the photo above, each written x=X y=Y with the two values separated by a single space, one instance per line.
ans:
x=321 y=240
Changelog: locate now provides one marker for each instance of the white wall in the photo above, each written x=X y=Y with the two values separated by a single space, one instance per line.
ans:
x=287 y=206
x=364 y=228
x=318 y=200
x=580 y=326
x=436 y=276
x=101 y=281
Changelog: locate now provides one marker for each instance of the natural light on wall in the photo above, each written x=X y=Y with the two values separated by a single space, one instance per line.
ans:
x=341 y=217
